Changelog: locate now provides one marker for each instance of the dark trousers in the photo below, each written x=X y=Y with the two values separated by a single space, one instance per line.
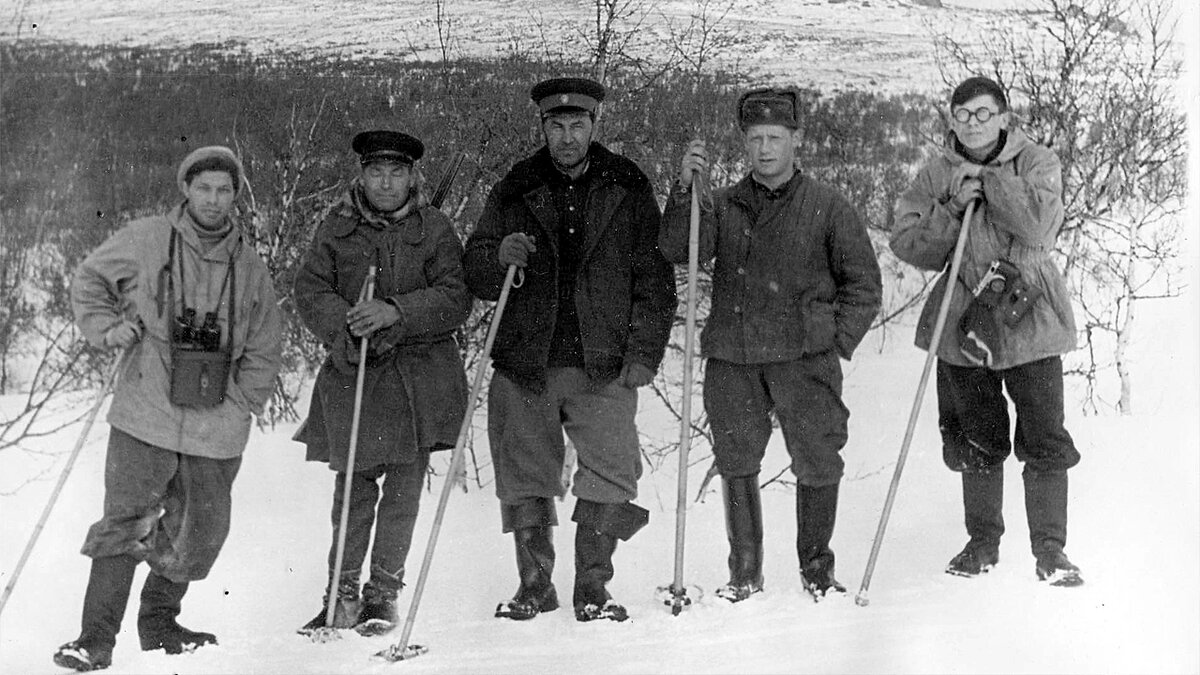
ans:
x=974 y=420
x=169 y=509
x=806 y=396
x=391 y=509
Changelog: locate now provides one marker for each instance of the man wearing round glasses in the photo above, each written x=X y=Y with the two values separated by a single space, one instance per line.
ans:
x=1009 y=323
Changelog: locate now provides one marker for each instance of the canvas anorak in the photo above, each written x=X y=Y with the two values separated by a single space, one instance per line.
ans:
x=1019 y=219
x=125 y=277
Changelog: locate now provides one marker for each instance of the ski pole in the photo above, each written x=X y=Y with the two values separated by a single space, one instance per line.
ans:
x=679 y=598
x=402 y=650
x=930 y=356
x=109 y=380
x=335 y=580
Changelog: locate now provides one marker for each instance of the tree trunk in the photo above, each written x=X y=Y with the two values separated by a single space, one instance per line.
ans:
x=1125 y=328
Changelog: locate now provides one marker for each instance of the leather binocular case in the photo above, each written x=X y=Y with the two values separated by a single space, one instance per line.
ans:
x=199 y=367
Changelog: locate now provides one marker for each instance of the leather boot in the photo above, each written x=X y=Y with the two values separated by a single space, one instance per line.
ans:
x=816 y=512
x=531 y=523
x=599 y=528
x=983 y=509
x=743 y=526
x=157 y=628
x=346 y=609
x=1046 y=511
x=104 y=605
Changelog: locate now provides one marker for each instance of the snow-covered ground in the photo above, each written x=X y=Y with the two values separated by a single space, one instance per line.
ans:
x=827 y=44
x=1134 y=529
x=1135 y=498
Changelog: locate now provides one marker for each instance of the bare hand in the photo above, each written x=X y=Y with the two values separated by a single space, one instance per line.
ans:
x=123 y=335
x=371 y=315
x=972 y=189
x=695 y=158
x=961 y=173
x=515 y=249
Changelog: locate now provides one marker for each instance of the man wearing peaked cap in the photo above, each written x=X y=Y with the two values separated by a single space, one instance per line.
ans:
x=387 y=146
x=561 y=93
x=415 y=376
x=795 y=286
x=585 y=330
x=172 y=457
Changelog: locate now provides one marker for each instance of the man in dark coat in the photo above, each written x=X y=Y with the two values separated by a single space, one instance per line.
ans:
x=415 y=390
x=587 y=328
x=795 y=286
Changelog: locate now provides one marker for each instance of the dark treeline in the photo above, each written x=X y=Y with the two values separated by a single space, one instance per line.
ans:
x=92 y=136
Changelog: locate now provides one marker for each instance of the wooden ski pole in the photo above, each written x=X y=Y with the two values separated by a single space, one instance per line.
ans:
x=930 y=357
x=679 y=598
x=335 y=579
x=402 y=650
x=109 y=380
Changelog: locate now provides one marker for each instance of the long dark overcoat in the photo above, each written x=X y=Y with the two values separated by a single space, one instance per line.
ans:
x=415 y=392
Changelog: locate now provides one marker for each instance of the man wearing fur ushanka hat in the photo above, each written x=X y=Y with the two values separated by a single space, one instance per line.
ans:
x=795 y=288
x=192 y=309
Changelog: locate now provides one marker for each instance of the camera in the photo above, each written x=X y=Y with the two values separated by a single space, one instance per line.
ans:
x=187 y=335
x=1003 y=289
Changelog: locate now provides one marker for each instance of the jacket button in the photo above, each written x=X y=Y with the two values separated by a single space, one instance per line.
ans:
x=746 y=232
x=741 y=270
x=737 y=309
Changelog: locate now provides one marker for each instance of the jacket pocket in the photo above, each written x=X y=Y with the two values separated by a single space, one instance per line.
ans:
x=820 y=327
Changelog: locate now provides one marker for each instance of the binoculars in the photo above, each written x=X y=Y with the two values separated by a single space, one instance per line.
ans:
x=187 y=335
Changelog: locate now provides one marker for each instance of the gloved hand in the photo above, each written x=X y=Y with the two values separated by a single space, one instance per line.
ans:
x=124 y=334
x=635 y=375
x=515 y=249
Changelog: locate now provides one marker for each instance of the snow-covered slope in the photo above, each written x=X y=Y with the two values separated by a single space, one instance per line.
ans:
x=884 y=44
x=1135 y=530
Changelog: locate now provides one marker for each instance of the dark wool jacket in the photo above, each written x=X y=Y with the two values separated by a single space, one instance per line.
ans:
x=624 y=291
x=1019 y=219
x=801 y=279
x=415 y=392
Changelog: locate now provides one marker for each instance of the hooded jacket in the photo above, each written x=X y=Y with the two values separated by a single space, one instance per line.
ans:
x=124 y=278
x=1019 y=219
x=624 y=289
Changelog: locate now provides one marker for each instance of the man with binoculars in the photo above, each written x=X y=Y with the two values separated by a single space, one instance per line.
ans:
x=181 y=410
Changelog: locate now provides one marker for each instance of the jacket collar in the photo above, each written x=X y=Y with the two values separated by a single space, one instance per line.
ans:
x=1016 y=142
x=742 y=192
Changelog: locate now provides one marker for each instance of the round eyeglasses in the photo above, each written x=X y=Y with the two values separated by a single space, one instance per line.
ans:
x=983 y=114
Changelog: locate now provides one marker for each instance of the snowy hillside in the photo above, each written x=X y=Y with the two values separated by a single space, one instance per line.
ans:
x=822 y=43
x=1135 y=531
